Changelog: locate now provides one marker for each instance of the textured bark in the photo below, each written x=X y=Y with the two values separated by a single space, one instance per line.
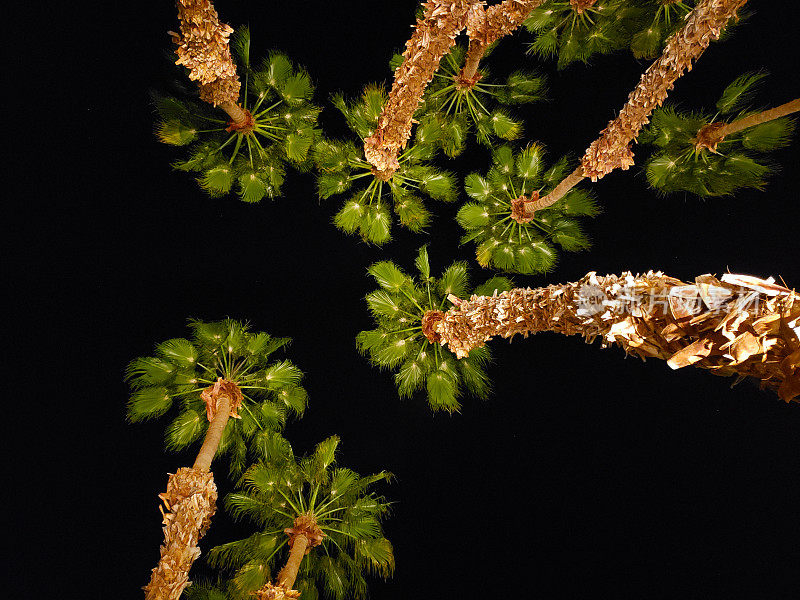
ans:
x=488 y=26
x=433 y=37
x=736 y=325
x=191 y=498
x=612 y=149
x=190 y=502
x=203 y=48
x=712 y=134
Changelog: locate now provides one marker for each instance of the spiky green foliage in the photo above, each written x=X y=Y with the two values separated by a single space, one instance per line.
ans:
x=457 y=108
x=530 y=247
x=739 y=161
x=253 y=161
x=398 y=344
x=182 y=368
x=368 y=212
x=272 y=493
x=564 y=32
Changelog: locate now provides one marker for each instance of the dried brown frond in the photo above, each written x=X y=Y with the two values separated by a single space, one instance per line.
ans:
x=213 y=393
x=305 y=525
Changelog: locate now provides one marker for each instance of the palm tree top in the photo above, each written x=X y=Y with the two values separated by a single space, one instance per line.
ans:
x=332 y=507
x=220 y=358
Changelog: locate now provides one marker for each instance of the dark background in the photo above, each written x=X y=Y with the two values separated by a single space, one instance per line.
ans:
x=584 y=475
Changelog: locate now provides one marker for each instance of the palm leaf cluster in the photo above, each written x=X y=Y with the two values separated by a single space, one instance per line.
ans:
x=368 y=211
x=280 y=488
x=570 y=34
x=458 y=108
x=739 y=161
x=251 y=160
x=182 y=368
x=398 y=343
x=502 y=242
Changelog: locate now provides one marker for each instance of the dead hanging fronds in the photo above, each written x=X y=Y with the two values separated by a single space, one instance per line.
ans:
x=190 y=502
x=203 y=49
x=735 y=325
x=212 y=394
x=433 y=37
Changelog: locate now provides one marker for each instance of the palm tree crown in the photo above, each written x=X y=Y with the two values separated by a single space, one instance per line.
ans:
x=223 y=353
x=401 y=343
x=682 y=162
x=332 y=507
x=506 y=241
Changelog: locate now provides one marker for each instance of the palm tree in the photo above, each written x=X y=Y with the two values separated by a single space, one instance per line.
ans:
x=736 y=325
x=342 y=165
x=278 y=128
x=612 y=149
x=401 y=340
x=224 y=371
x=695 y=152
x=507 y=239
x=306 y=507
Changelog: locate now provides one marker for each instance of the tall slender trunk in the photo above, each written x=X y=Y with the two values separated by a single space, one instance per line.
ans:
x=213 y=435
x=735 y=325
x=489 y=26
x=190 y=500
x=612 y=149
x=288 y=574
x=712 y=134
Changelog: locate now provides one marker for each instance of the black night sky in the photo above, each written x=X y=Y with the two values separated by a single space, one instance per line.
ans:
x=584 y=475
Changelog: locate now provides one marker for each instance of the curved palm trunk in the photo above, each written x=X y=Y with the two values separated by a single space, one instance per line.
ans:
x=203 y=47
x=612 y=149
x=190 y=501
x=736 y=325
x=288 y=574
x=489 y=26
x=434 y=35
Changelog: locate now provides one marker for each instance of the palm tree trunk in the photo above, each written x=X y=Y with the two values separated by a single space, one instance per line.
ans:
x=213 y=435
x=612 y=149
x=712 y=134
x=736 y=325
x=489 y=26
x=783 y=110
x=288 y=574
x=190 y=500
x=433 y=37
x=203 y=47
